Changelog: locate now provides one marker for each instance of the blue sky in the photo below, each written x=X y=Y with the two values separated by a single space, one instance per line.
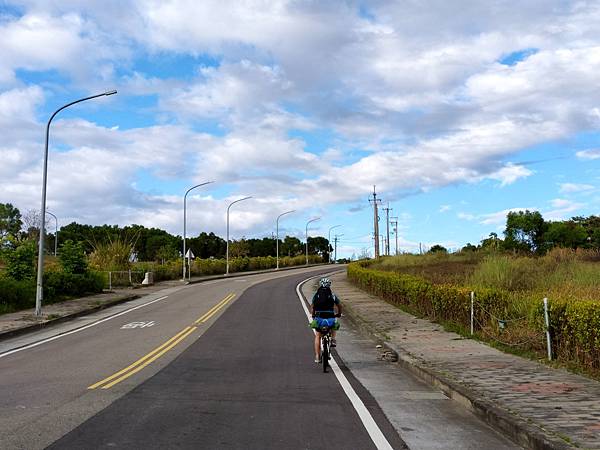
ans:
x=457 y=119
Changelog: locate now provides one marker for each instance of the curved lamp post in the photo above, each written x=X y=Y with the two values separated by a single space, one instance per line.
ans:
x=277 y=228
x=329 y=240
x=55 y=231
x=311 y=220
x=39 y=293
x=184 y=220
x=227 y=249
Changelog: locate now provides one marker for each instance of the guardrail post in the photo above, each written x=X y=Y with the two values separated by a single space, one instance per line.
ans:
x=547 y=320
x=472 y=310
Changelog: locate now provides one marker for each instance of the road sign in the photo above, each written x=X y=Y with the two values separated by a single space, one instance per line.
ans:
x=189 y=254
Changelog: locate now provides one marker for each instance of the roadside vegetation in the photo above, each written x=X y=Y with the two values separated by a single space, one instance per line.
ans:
x=509 y=278
x=90 y=258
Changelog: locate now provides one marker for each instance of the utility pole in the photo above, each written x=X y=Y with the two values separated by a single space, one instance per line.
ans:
x=375 y=222
x=387 y=224
x=335 y=240
x=395 y=222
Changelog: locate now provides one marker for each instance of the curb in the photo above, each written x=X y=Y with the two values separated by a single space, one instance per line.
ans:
x=49 y=323
x=515 y=428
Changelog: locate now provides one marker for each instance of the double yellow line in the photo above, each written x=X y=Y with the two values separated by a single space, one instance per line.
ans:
x=132 y=369
x=211 y=312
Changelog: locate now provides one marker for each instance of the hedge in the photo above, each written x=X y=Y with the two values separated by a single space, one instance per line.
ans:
x=17 y=295
x=574 y=324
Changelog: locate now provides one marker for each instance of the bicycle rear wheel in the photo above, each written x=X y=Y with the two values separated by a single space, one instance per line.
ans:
x=325 y=355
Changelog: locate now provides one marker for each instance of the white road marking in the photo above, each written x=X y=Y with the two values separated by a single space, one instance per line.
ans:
x=375 y=433
x=138 y=325
x=77 y=330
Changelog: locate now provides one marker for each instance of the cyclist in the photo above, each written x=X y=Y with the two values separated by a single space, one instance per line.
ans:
x=322 y=308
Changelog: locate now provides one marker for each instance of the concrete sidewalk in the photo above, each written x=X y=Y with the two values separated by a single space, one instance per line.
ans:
x=536 y=406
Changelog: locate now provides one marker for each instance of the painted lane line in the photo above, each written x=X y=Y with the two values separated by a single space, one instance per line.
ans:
x=369 y=423
x=77 y=330
x=139 y=361
x=154 y=358
x=214 y=309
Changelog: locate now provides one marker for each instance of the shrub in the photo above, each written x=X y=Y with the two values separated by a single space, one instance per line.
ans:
x=59 y=285
x=72 y=257
x=20 y=262
x=16 y=294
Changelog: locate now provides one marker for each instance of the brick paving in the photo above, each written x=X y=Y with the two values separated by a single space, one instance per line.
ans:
x=562 y=406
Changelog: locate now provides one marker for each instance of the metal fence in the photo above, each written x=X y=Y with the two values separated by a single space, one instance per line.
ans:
x=123 y=278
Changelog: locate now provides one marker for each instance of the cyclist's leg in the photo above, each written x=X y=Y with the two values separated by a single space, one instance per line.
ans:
x=317 y=345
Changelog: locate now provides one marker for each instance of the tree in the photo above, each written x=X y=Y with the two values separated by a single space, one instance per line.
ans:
x=319 y=245
x=438 y=249
x=524 y=231
x=10 y=221
x=20 y=262
x=207 y=245
x=565 y=234
x=492 y=242
x=72 y=257
x=469 y=248
x=291 y=246
x=239 y=248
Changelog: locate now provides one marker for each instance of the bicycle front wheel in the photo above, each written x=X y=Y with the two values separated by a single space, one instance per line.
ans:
x=325 y=355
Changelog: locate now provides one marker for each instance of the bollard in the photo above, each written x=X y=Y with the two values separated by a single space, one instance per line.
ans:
x=548 y=342
x=110 y=281
x=472 y=301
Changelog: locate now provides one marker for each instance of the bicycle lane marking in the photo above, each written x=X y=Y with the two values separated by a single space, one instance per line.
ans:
x=77 y=330
x=365 y=416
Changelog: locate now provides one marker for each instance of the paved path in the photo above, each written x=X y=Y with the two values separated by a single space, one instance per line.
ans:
x=541 y=406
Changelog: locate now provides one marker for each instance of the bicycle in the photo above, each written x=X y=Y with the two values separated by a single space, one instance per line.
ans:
x=325 y=346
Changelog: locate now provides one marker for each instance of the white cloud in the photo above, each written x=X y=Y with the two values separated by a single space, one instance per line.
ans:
x=445 y=208
x=569 y=188
x=498 y=218
x=589 y=154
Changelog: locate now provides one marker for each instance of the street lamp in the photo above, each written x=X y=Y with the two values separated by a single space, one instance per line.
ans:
x=55 y=231
x=277 y=227
x=311 y=220
x=329 y=240
x=39 y=294
x=184 y=222
x=227 y=249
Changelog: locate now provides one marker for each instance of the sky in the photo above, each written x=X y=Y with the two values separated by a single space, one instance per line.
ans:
x=458 y=112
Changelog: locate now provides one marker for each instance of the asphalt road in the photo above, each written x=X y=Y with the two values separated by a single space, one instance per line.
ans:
x=223 y=364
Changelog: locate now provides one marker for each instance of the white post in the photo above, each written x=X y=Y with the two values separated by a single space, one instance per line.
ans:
x=110 y=281
x=130 y=277
x=548 y=342
x=472 y=311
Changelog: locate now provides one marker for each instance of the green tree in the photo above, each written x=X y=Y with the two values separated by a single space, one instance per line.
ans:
x=291 y=246
x=524 y=231
x=72 y=257
x=492 y=242
x=318 y=245
x=565 y=234
x=20 y=262
x=10 y=221
x=239 y=248
x=166 y=253
x=207 y=245
x=438 y=249
x=469 y=248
